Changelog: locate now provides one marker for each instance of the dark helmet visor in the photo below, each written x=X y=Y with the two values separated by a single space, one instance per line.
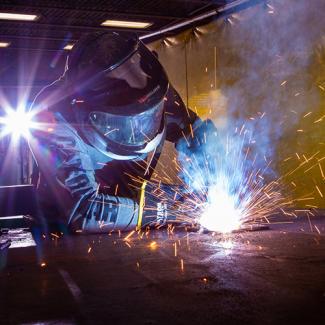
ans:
x=133 y=130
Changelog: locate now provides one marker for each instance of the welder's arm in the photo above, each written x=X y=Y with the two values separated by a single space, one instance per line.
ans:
x=184 y=125
x=155 y=206
x=178 y=118
x=195 y=139
x=68 y=167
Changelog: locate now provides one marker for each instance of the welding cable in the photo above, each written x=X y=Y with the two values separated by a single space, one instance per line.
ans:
x=141 y=204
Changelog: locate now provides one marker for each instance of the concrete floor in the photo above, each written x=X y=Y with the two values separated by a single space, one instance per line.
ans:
x=268 y=277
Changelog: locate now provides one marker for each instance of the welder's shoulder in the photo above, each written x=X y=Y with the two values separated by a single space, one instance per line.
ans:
x=52 y=126
x=47 y=107
x=176 y=109
x=50 y=99
x=178 y=116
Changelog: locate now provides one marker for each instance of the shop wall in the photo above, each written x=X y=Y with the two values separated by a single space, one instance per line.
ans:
x=266 y=61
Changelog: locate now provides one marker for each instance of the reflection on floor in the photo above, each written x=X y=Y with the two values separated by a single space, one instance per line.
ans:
x=275 y=276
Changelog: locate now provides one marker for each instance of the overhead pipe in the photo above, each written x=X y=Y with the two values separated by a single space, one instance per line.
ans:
x=200 y=17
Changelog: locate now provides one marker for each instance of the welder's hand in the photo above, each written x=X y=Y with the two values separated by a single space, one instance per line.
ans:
x=165 y=204
x=198 y=156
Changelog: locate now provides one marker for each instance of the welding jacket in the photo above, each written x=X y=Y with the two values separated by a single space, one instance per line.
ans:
x=70 y=171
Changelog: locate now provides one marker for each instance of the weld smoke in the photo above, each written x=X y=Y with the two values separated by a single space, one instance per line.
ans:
x=265 y=53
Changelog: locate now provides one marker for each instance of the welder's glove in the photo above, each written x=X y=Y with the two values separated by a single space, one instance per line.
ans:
x=198 y=155
x=164 y=204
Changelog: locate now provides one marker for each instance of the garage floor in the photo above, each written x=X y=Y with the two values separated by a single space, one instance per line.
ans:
x=275 y=276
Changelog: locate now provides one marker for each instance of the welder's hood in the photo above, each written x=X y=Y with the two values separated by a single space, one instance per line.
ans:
x=118 y=94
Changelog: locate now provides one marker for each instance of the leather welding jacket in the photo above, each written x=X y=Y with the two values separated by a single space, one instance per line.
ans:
x=69 y=168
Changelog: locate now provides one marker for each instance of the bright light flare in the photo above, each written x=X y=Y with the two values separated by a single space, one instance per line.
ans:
x=16 y=16
x=17 y=123
x=220 y=213
x=4 y=44
x=68 y=47
x=126 y=24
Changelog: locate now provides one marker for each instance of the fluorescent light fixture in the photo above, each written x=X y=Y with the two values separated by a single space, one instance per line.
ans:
x=4 y=44
x=126 y=24
x=68 y=47
x=12 y=16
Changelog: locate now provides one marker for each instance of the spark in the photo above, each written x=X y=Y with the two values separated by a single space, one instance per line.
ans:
x=317 y=229
x=150 y=161
x=132 y=131
x=320 y=119
x=191 y=129
x=153 y=245
x=319 y=191
x=188 y=144
x=129 y=235
x=321 y=170
x=229 y=21
x=307 y=114
x=110 y=131
x=175 y=249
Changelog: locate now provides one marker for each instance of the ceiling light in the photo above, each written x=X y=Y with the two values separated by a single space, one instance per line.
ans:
x=68 y=47
x=4 y=44
x=12 y=16
x=126 y=24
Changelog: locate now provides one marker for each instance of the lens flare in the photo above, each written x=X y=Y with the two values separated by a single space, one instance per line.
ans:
x=17 y=123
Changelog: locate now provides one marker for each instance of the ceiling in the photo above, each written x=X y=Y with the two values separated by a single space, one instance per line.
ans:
x=62 y=22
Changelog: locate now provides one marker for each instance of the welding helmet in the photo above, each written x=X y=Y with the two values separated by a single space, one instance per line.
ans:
x=118 y=90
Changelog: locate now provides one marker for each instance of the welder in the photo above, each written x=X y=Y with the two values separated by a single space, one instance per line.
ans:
x=103 y=126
